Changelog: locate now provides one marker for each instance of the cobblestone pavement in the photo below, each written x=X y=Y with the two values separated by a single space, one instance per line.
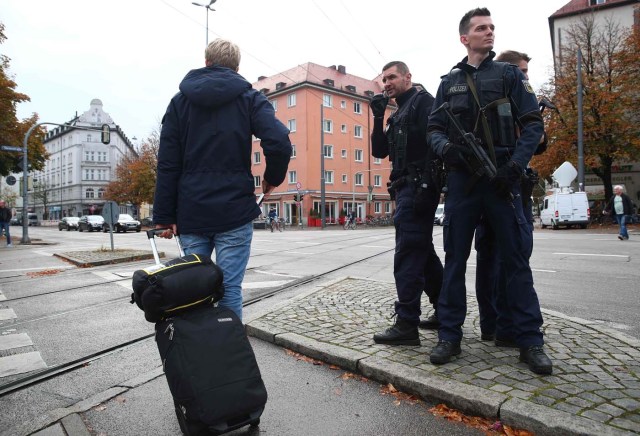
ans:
x=105 y=257
x=594 y=389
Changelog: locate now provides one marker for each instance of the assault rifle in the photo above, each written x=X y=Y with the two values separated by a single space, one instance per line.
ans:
x=484 y=165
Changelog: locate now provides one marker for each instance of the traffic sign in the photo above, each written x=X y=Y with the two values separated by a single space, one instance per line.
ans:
x=11 y=180
x=10 y=148
x=110 y=212
x=298 y=185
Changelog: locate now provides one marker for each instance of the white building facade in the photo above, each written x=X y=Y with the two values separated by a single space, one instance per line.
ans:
x=80 y=166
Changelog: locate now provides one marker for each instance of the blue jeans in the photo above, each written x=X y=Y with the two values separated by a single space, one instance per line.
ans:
x=4 y=226
x=232 y=249
x=622 y=220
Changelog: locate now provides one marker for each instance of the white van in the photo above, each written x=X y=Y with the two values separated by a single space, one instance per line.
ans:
x=565 y=208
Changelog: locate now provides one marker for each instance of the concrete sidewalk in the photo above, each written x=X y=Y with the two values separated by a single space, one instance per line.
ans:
x=594 y=389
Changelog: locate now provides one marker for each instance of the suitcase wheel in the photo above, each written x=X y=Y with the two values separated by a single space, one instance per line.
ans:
x=255 y=423
x=189 y=428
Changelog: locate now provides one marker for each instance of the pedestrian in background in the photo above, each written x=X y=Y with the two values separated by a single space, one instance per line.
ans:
x=620 y=207
x=505 y=96
x=5 y=221
x=205 y=188
x=416 y=266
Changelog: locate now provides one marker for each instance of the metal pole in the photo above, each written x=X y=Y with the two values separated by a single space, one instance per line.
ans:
x=25 y=177
x=207 y=28
x=580 y=126
x=322 y=180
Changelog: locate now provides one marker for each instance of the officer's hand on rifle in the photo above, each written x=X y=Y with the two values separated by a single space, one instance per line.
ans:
x=507 y=176
x=456 y=154
x=378 y=105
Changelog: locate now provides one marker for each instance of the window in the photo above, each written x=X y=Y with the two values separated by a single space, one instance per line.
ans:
x=328 y=176
x=357 y=107
x=291 y=124
x=89 y=140
x=293 y=177
x=343 y=128
x=377 y=180
x=358 y=179
x=343 y=104
x=377 y=160
x=358 y=155
x=89 y=193
x=257 y=181
x=293 y=151
x=357 y=131
x=387 y=208
x=101 y=193
x=377 y=207
x=328 y=151
x=328 y=126
x=344 y=178
x=291 y=100
x=274 y=103
x=327 y=100
x=344 y=153
x=256 y=157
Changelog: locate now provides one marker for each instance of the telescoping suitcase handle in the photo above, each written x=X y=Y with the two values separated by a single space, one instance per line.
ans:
x=151 y=235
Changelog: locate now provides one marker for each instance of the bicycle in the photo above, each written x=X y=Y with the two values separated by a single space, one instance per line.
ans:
x=349 y=224
x=281 y=224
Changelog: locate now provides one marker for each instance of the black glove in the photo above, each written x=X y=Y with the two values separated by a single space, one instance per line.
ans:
x=378 y=105
x=456 y=154
x=507 y=176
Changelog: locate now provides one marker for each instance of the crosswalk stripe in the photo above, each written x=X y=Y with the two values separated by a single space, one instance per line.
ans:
x=6 y=314
x=7 y=342
x=21 y=363
x=2 y=297
x=270 y=284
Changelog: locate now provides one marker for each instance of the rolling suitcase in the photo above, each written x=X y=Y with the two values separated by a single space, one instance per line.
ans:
x=211 y=371
x=208 y=361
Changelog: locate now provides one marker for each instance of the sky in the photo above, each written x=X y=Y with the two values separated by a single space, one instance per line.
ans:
x=132 y=54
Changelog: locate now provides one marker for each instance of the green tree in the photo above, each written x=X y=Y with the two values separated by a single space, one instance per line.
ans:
x=12 y=131
x=611 y=83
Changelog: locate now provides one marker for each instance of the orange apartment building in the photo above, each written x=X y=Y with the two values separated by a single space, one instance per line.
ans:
x=325 y=105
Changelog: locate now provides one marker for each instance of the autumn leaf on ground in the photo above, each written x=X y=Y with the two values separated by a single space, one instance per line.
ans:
x=389 y=389
x=120 y=399
x=490 y=426
x=304 y=358
x=47 y=272
x=100 y=408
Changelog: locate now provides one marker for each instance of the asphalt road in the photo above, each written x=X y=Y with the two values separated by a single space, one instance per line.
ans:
x=75 y=311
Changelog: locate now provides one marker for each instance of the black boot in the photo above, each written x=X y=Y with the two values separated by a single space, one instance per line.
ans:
x=444 y=351
x=430 y=323
x=401 y=333
x=537 y=360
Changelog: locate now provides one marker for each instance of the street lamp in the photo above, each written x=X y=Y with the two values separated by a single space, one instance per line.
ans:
x=208 y=8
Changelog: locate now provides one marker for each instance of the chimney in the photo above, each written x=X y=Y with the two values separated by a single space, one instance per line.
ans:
x=262 y=77
x=342 y=69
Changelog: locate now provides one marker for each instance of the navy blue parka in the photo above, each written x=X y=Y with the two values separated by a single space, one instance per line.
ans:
x=204 y=181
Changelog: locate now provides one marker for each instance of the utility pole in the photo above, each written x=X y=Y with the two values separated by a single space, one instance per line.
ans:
x=322 y=180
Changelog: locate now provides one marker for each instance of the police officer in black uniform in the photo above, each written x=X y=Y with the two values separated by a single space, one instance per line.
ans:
x=506 y=99
x=416 y=265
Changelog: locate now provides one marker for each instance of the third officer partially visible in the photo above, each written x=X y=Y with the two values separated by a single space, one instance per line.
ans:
x=413 y=185
x=488 y=100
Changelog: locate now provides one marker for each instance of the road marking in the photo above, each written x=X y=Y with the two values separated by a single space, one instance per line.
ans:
x=6 y=314
x=593 y=254
x=2 y=296
x=15 y=341
x=298 y=252
x=375 y=246
x=271 y=284
x=115 y=278
x=544 y=270
x=21 y=363
x=275 y=274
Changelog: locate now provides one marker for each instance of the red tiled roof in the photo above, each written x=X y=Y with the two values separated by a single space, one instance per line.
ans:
x=575 y=7
x=317 y=74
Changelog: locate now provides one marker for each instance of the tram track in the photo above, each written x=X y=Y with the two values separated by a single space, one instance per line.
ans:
x=57 y=370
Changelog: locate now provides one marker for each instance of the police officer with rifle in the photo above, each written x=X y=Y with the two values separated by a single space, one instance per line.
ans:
x=414 y=185
x=488 y=99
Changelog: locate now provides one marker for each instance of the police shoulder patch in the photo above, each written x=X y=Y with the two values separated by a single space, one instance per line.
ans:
x=528 y=87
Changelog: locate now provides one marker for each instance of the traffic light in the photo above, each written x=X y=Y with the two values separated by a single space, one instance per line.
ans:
x=300 y=197
x=295 y=197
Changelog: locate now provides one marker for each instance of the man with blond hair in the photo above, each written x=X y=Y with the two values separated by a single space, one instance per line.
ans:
x=205 y=188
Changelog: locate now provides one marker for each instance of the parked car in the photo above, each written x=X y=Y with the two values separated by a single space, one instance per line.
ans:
x=147 y=222
x=125 y=222
x=68 y=223
x=32 y=217
x=14 y=221
x=90 y=223
x=439 y=217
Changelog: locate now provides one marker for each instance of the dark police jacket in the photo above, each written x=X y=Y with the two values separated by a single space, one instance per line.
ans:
x=494 y=81
x=414 y=113
x=204 y=181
